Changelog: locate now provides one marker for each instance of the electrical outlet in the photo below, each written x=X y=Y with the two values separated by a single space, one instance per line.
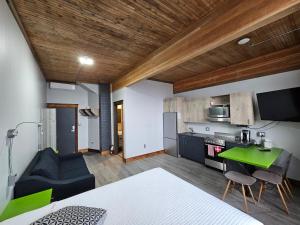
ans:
x=12 y=179
x=261 y=134
x=207 y=128
x=144 y=145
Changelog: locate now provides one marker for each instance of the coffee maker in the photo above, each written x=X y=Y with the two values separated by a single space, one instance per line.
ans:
x=245 y=136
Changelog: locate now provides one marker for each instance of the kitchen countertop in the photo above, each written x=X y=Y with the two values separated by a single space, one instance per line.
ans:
x=227 y=140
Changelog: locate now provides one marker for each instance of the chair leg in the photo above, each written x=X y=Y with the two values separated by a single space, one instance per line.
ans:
x=282 y=199
x=226 y=190
x=251 y=193
x=245 y=199
x=260 y=191
x=288 y=188
x=284 y=191
x=289 y=183
x=232 y=186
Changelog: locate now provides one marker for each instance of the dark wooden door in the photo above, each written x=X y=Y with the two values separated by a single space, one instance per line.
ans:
x=65 y=130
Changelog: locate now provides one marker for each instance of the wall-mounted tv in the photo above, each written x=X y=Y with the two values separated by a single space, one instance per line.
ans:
x=281 y=105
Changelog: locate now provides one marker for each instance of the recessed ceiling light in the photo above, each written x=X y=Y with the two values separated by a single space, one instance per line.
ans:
x=84 y=60
x=243 y=41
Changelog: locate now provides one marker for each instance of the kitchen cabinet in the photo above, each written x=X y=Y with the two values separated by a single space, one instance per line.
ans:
x=192 y=147
x=195 y=110
x=241 y=108
x=176 y=105
x=167 y=103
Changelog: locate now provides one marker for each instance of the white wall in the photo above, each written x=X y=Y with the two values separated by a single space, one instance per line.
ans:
x=143 y=116
x=22 y=94
x=50 y=128
x=85 y=95
x=284 y=135
x=78 y=96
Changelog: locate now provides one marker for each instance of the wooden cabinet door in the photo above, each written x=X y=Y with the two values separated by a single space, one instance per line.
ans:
x=196 y=110
x=201 y=108
x=181 y=126
x=173 y=105
x=182 y=143
x=167 y=105
x=192 y=148
x=170 y=105
x=187 y=111
x=241 y=108
x=176 y=105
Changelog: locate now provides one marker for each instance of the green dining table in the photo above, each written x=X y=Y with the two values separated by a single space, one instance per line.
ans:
x=252 y=155
x=26 y=203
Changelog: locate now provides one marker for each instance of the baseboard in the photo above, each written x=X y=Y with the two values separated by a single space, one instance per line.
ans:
x=94 y=150
x=105 y=153
x=144 y=156
x=86 y=150
x=83 y=150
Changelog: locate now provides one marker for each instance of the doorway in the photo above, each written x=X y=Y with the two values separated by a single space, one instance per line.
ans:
x=119 y=128
x=66 y=127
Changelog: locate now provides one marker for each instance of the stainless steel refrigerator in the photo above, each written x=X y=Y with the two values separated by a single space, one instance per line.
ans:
x=170 y=133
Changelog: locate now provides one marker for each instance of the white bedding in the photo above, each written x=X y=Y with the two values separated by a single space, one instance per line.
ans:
x=154 y=197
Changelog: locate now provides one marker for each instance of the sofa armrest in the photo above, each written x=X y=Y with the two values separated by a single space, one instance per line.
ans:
x=61 y=188
x=70 y=156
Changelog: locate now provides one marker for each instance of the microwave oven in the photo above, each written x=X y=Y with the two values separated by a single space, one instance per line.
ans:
x=219 y=113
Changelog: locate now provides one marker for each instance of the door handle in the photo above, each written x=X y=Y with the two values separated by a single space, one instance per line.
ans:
x=73 y=129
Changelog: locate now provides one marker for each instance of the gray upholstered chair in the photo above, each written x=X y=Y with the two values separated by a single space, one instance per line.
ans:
x=281 y=167
x=244 y=180
x=276 y=175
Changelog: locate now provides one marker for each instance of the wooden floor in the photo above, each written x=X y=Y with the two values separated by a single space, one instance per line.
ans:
x=111 y=168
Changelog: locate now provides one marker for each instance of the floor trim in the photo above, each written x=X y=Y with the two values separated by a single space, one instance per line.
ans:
x=86 y=150
x=144 y=156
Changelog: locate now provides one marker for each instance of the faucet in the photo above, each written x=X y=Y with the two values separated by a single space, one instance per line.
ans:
x=191 y=129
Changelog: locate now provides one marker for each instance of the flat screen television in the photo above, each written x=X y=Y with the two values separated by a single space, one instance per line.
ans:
x=281 y=105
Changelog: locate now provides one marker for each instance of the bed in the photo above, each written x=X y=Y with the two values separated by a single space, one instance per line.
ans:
x=150 y=198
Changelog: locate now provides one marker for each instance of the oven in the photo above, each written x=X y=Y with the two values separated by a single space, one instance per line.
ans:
x=212 y=148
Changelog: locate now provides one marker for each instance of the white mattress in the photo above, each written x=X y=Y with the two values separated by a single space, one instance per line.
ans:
x=154 y=197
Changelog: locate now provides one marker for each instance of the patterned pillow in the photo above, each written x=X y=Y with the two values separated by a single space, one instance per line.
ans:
x=75 y=215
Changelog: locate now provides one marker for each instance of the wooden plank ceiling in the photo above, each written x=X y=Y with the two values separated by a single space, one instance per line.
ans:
x=120 y=34
x=116 y=34
x=232 y=53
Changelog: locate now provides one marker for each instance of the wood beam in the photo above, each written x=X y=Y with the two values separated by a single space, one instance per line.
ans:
x=276 y=62
x=231 y=23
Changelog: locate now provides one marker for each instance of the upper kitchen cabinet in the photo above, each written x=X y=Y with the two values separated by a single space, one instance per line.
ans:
x=176 y=104
x=241 y=108
x=195 y=110
x=173 y=104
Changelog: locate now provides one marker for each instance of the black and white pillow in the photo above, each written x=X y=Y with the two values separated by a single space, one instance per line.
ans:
x=75 y=215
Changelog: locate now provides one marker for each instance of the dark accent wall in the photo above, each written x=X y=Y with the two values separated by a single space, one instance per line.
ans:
x=105 y=116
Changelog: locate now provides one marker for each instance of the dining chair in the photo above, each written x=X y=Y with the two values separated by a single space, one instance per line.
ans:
x=269 y=177
x=245 y=180
x=277 y=175
x=281 y=169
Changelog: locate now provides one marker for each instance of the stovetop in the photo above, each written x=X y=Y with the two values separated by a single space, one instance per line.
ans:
x=218 y=138
x=214 y=140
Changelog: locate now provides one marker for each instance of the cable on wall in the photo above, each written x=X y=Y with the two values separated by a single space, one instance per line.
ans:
x=275 y=123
